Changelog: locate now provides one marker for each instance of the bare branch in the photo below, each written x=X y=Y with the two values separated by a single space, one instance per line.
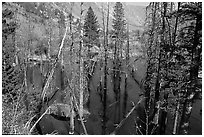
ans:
x=54 y=66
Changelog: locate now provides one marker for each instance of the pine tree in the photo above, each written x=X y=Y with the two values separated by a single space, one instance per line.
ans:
x=119 y=32
x=91 y=28
x=119 y=21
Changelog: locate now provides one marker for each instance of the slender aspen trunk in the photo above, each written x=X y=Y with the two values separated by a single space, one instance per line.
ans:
x=50 y=38
x=72 y=115
x=147 y=120
x=27 y=53
x=176 y=25
x=70 y=28
x=176 y=119
x=125 y=97
x=128 y=46
x=149 y=53
x=71 y=64
x=177 y=116
x=47 y=84
x=119 y=90
x=157 y=84
x=81 y=66
x=15 y=43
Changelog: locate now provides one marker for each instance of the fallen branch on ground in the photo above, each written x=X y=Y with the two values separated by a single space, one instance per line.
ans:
x=39 y=120
x=128 y=114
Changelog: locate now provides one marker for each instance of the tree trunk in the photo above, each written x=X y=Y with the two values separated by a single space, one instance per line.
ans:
x=188 y=103
x=71 y=131
x=50 y=38
x=176 y=119
x=127 y=62
x=81 y=69
x=105 y=74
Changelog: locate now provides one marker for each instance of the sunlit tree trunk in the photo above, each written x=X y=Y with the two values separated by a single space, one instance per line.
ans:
x=50 y=37
x=71 y=64
x=176 y=119
x=81 y=66
x=178 y=107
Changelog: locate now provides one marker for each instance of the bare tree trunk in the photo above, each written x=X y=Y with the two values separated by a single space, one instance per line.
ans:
x=149 y=54
x=15 y=43
x=117 y=77
x=71 y=64
x=127 y=62
x=125 y=97
x=45 y=88
x=176 y=25
x=105 y=71
x=27 y=53
x=50 y=37
x=162 y=44
x=195 y=60
x=176 y=119
x=70 y=28
x=158 y=112
x=81 y=67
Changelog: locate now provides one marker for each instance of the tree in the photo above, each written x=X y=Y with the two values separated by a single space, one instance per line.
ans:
x=191 y=36
x=12 y=74
x=91 y=28
x=119 y=25
x=159 y=47
x=174 y=53
x=91 y=38
x=118 y=31
x=105 y=44
x=10 y=71
x=119 y=21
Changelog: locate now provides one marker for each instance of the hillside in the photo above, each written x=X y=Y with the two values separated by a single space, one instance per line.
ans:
x=39 y=22
x=134 y=14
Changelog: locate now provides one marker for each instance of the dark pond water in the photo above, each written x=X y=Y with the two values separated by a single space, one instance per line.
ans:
x=95 y=106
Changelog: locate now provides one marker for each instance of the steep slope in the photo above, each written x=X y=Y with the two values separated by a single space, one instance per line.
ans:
x=134 y=14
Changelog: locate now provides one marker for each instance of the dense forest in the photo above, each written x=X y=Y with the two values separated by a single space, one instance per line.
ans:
x=85 y=68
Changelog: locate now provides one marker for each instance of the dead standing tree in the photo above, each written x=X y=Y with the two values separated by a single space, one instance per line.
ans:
x=104 y=100
x=71 y=131
x=81 y=65
x=46 y=87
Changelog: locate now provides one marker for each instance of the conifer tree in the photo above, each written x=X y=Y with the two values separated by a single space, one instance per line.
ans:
x=119 y=21
x=119 y=32
x=91 y=28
